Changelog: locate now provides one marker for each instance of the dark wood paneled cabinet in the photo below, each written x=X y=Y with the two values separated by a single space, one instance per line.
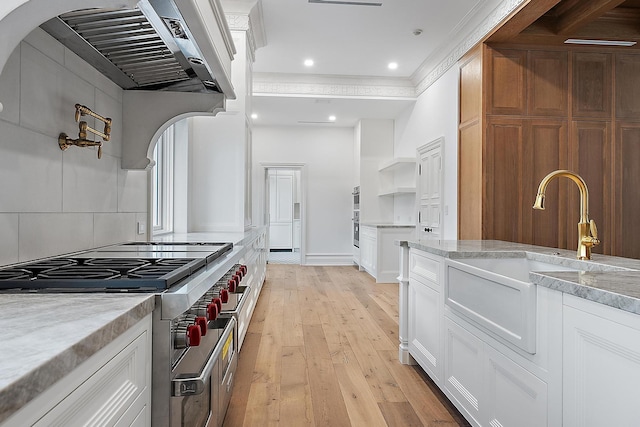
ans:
x=542 y=110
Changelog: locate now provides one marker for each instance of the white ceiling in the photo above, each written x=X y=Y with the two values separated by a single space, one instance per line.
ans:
x=350 y=40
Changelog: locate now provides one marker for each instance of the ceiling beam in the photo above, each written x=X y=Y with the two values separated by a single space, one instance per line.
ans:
x=582 y=13
x=521 y=19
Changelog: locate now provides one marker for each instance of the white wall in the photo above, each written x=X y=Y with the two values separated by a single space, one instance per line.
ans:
x=53 y=202
x=328 y=154
x=434 y=115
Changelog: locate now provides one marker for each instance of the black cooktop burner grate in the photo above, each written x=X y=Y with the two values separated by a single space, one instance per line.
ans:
x=96 y=274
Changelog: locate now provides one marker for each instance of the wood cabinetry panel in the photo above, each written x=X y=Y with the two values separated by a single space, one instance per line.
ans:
x=544 y=151
x=627 y=86
x=627 y=203
x=592 y=85
x=547 y=93
x=471 y=88
x=507 y=81
x=590 y=148
x=502 y=217
x=470 y=182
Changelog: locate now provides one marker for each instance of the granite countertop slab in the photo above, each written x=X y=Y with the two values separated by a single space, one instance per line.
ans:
x=386 y=225
x=619 y=287
x=240 y=238
x=46 y=336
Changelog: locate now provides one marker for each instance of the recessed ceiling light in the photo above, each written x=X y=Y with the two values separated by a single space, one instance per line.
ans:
x=601 y=42
x=254 y=116
x=332 y=118
x=308 y=62
x=393 y=65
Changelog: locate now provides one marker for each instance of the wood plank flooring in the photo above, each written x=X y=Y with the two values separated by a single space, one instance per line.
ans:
x=322 y=350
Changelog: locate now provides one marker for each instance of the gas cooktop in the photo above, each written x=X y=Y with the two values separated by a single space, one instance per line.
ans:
x=131 y=267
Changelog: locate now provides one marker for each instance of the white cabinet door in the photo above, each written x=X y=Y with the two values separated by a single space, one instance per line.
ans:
x=425 y=324
x=514 y=396
x=601 y=368
x=368 y=249
x=463 y=370
x=281 y=236
x=430 y=190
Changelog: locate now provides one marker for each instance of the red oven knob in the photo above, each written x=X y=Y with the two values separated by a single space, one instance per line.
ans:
x=218 y=302
x=232 y=285
x=240 y=273
x=212 y=311
x=237 y=277
x=193 y=335
x=224 y=295
x=244 y=269
x=202 y=323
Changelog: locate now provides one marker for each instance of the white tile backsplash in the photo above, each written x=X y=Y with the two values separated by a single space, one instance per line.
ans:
x=54 y=202
x=132 y=190
x=109 y=107
x=90 y=184
x=43 y=235
x=49 y=93
x=46 y=44
x=110 y=228
x=10 y=88
x=9 y=238
x=30 y=171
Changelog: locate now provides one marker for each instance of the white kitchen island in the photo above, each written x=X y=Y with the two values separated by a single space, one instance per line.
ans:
x=555 y=348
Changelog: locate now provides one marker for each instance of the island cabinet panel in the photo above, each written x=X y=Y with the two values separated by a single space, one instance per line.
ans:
x=507 y=82
x=627 y=86
x=592 y=85
x=601 y=369
x=425 y=313
x=627 y=186
x=547 y=84
x=463 y=380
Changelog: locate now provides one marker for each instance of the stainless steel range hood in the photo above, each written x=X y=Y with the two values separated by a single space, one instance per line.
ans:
x=149 y=47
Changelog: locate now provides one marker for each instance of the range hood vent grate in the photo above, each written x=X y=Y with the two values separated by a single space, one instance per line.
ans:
x=135 y=48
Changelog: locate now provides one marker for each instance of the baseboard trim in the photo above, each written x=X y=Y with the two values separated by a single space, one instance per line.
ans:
x=329 y=259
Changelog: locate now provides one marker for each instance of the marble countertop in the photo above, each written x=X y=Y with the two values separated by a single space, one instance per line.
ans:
x=386 y=225
x=619 y=288
x=46 y=336
x=240 y=238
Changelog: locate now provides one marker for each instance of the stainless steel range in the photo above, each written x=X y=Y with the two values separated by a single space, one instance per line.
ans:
x=199 y=292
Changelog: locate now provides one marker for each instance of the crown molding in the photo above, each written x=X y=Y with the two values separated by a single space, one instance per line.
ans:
x=276 y=84
x=435 y=66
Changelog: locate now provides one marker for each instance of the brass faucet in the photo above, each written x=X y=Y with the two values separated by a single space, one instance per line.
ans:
x=65 y=141
x=587 y=230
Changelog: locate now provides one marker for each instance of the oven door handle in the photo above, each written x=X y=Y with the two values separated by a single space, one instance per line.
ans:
x=190 y=386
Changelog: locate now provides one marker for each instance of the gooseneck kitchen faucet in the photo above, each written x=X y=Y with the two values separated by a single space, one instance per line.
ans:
x=587 y=230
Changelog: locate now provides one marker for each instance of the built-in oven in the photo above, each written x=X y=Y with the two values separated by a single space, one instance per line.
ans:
x=202 y=378
x=356 y=229
x=356 y=198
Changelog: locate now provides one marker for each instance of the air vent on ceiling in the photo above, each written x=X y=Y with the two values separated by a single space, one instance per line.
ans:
x=349 y=2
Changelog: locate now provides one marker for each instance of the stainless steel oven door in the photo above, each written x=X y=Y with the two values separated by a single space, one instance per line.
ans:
x=196 y=390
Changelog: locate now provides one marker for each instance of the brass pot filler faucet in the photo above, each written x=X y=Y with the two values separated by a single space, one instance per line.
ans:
x=65 y=142
x=587 y=230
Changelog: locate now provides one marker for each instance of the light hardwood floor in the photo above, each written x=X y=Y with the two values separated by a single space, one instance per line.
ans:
x=322 y=350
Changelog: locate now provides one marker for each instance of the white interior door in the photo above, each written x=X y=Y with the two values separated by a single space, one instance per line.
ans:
x=429 y=199
x=281 y=210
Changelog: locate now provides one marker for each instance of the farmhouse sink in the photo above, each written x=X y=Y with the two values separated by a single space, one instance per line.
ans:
x=495 y=294
x=515 y=268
